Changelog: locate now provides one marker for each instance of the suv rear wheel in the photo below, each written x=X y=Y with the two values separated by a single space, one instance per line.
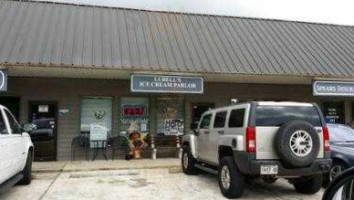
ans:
x=231 y=181
x=309 y=185
x=297 y=143
x=188 y=162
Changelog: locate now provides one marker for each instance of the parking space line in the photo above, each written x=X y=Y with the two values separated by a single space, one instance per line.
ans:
x=51 y=184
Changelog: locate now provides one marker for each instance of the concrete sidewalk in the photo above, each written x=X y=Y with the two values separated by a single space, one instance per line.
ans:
x=68 y=166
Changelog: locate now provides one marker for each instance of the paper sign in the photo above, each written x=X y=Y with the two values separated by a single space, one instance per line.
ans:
x=43 y=108
x=97 y=133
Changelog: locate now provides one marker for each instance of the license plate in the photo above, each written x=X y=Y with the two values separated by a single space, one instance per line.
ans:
x=269 y=169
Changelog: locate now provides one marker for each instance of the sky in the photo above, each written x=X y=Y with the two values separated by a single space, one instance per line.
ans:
x=320 y=11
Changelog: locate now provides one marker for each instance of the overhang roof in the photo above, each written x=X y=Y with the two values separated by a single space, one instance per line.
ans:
x=52 y=34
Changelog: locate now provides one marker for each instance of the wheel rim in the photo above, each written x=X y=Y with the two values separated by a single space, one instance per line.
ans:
x=301 y=143
x=185 y=160
x=335 y=171
x=225 y=177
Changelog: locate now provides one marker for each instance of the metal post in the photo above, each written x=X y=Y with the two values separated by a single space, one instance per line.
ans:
x=153 y=156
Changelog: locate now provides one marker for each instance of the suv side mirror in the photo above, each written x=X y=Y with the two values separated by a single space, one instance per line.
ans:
x=194 y=125
x=196 y=132
x=28 y=127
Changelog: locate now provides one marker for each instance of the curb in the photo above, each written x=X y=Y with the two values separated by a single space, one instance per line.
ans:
x=173 y=168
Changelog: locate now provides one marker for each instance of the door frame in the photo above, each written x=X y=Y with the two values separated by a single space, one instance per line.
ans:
x=55 y=103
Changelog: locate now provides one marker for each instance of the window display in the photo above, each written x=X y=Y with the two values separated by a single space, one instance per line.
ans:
x=134 y=114
x=135 y=122
x=97 y=111
x=170 y=116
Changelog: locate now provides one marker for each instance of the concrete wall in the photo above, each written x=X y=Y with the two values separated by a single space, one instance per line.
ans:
x=68 y=92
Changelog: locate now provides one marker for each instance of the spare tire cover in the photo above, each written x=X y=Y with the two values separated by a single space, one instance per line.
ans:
x=297 y=143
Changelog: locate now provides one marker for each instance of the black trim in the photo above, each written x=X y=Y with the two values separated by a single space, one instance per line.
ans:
x=252 y=114
x=323 y=122
x=10 y=182
x=249 y=165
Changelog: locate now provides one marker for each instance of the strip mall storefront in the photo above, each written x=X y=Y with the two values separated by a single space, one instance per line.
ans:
x=89 y=75
x=152 y=105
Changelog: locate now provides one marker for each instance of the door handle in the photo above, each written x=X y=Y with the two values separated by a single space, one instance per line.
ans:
x=206 y=132
x=221 y=132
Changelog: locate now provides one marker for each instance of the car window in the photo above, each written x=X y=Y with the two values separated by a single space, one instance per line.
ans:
x=279 y=115
x=3 y=129
x=15 y=128
x=236 y=118
x=205 y=123
x=220 y=119
x=340 y=133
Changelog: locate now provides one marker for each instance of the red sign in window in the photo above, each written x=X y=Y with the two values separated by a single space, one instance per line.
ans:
x=134 y=110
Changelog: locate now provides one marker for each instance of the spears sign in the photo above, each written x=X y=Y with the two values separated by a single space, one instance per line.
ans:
x=3 y=80
x=333 y=88
x=166 y=84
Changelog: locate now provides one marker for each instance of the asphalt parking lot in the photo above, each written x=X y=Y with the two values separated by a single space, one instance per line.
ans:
x=140 y=184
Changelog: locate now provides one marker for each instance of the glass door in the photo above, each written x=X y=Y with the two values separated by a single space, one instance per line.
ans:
x=333 y=112
x=44 y=137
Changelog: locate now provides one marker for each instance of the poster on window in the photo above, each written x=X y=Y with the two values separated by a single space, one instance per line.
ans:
x=134 y=123
x=134 y=115
x=170 y=116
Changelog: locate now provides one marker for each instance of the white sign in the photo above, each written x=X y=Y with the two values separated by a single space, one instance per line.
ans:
x=43 y=108
x=63 y=112
x=97 y=133
x=333 y=88
x=173 y=126
x=166 y=84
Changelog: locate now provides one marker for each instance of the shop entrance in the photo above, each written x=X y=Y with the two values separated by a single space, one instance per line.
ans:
x=44 y=138
x=13 y=104
x=197 y=111
x=333 y=112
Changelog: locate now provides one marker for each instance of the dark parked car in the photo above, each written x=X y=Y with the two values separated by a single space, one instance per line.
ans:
x=342 y=149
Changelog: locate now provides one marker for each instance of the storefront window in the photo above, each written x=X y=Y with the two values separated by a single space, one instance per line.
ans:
x=135 y=123
x=96 y=111
x=170 y=116
x=333 y=112
x=135 y=115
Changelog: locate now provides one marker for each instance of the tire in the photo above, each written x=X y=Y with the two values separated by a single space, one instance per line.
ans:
x=345 y=179
x=309 y=185
x=231 y=181
x=297 y=134
x=269 y=179
x=27 y=171
x=188 y=162
x=337 y=167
